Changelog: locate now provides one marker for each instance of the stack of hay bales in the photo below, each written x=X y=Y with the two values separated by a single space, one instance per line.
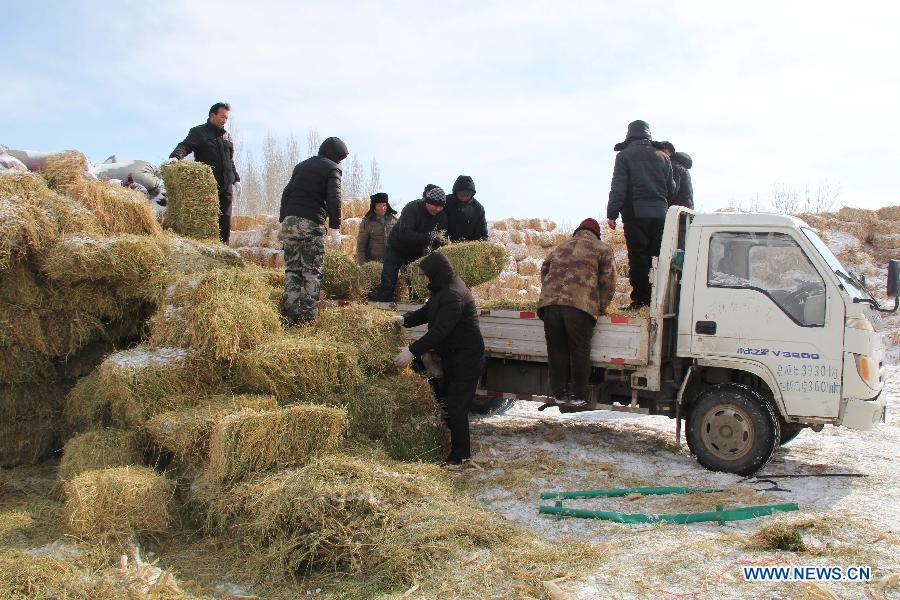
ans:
x=192 y=209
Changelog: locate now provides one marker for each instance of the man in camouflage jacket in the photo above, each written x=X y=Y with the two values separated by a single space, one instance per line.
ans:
x=578 y=280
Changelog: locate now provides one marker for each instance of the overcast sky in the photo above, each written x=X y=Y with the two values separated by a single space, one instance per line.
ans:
x=526 y=97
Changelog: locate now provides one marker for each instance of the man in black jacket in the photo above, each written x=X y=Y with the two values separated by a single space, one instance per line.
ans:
x=212 y=145
x=681 y=163
x=465 y=215
x=642 y=186
x=312 y=194
x=453 y=334
x=419 y=230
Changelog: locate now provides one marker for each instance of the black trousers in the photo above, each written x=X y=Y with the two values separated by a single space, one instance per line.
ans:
x=456 y=396
x=643 y=238
x=225 y=198
x=569 y=331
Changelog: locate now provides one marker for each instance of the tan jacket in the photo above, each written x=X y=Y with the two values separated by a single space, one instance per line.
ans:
x=581 y=273
x=372 y=238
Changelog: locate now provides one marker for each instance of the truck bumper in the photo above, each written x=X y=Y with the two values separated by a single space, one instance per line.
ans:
x=862 y=414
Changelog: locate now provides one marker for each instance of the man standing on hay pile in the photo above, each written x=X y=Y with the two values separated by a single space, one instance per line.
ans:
x=313 y=193
x=465 y=215
x=212 y=145
x=578 y=281
x=374 y=229
x=642 y=187
x=453 y=334
x=419 y=230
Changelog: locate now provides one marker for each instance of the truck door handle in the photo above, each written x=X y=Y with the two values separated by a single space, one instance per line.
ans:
x=706 y=327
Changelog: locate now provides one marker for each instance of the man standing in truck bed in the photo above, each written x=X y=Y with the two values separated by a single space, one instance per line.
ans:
x=578 y=281
x=642 y=187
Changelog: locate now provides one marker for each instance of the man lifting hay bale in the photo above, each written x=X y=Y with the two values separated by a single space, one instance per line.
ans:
x=313 y=193
x=453 y=334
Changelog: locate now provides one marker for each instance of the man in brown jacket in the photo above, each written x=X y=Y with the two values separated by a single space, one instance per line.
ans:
x=374 y=229
x=578 y=281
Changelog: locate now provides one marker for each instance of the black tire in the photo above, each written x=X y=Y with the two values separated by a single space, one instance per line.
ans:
x=731 y=428
x=487 y=405
x=789 y=431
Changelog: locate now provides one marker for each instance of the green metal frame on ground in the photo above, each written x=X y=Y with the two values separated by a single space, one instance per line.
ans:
x=720 y=515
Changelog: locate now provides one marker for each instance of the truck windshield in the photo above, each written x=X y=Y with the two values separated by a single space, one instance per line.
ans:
x=850 y=282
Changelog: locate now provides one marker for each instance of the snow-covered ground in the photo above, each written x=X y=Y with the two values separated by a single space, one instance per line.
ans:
x=855 y=518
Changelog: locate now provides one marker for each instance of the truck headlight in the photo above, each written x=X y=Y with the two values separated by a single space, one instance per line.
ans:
x=867 y=369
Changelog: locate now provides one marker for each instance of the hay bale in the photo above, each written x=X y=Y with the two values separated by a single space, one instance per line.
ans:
x=328 y=515
x=118 y=502
x=24 y=231
x=19 y=364
x=341 y=278
x=185 y=432
x=65 y=169
x=50 y=332
x=888 y=213
x=370 y=277
x=117 y=209
x=132 y=386
x=293 y=368
x=24 y=576
x=20 y=402
x=100 y=449
x=184 y=255
x=193 y=200
x=248 y=222
x=529 y=266
x=26 y=442
x=474 y=262
x=218 y=313
x=354 y=208
x=133 y=264
x=370 y=330
x=23 y=285
x=267 y=258
x=249 y=442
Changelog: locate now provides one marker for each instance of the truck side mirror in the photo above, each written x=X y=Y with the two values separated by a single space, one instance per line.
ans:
x=893 y=279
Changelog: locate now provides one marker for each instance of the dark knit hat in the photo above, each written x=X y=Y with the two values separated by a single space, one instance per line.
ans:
x=590 y=225
x=435 y=196
x=430 y=186
x=379 y=197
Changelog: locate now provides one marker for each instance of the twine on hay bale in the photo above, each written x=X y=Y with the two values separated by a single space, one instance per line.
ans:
x=65 y=168
x=249 y=442
x=218 y=313
x=294 y=368
x=132 y=386
x=370 y=330
x=185 y=432
x=114 y=503
x=473 y=262
x=26 y=442
x=117 y=208
x=192 y=208
x=100 y=449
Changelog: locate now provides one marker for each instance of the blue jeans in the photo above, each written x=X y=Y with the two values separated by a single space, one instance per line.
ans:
x=393 y=262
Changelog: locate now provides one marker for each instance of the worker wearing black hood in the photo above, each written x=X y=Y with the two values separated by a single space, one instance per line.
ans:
x=374 y=229
x=453 y=334
x=312 y=194
x=465 y=215
x=642 y=186
x=681 y=163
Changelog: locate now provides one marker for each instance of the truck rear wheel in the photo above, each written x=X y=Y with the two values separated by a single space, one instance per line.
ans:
x=731 y=428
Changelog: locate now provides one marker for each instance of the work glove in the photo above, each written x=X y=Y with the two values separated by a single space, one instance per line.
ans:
x=170 y=161
x=335 y=236
x=238 y=189
x=400 y=320
x=404 y=358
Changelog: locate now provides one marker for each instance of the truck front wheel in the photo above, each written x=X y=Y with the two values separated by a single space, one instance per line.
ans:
x=732 y=428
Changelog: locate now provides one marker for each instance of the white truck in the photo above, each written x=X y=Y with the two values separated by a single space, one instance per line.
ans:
x=755 y=332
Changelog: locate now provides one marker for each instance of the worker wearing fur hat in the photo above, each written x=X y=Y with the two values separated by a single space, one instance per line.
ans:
x=374 y=229
x=578 y=280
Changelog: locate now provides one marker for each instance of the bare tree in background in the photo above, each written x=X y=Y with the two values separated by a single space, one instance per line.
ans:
x=747 y=206
x=354 y=181
x=374 y=178
x=788 y=200
x=313 y=141
x=784 y=199
x=823 y=198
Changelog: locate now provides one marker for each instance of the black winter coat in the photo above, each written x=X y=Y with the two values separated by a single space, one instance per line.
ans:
x=413 y=232
x=314 y=190
x=465 y=221
x=684 y=189
x=452 y=318
x=211 y=146
x=642 y=182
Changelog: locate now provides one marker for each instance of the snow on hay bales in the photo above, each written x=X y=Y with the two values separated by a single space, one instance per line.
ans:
x=193 y=199
x=100 y=449
x=250 y=442
x=115 y=503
